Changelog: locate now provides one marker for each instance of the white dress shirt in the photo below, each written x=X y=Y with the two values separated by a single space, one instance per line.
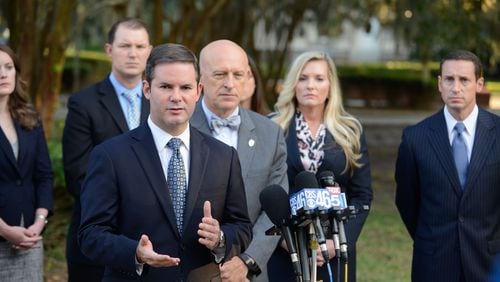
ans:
x=226 y=135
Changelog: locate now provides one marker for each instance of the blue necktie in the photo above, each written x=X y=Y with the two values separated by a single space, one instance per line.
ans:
x=460 y=153
x=134 y=113
x=216 y=124
x=176 y=181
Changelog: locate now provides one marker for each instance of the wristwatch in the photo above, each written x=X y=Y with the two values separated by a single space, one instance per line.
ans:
x=42 y=217
x=253 y=268
x=222 y=239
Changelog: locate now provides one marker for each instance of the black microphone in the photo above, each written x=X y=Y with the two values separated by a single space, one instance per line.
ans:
x=327 y=179
x=275 y=202
x=306 y=179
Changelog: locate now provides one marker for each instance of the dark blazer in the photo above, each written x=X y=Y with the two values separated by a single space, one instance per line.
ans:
x=25 y=183
x=125 y=195
x=94 y=115
x=357 y=188
x=453 y=231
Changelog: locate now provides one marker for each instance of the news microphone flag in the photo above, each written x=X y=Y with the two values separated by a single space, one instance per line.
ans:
x=317 y=199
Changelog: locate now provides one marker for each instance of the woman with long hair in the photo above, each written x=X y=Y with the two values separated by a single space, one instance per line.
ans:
x=321 y=136
x=253 y=97
x=25 y=178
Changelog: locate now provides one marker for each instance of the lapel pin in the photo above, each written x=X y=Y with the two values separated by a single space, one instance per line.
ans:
x=251 y=142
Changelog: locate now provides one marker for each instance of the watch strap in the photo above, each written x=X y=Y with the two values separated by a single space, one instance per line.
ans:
x=253 y=268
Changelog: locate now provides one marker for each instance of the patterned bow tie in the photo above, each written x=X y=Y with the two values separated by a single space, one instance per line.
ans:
x=233 y=122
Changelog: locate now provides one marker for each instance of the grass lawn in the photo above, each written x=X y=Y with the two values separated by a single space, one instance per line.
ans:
x=384 y=248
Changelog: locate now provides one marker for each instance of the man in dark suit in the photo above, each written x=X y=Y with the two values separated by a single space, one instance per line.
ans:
x=137 y=217
x=259 y=141
x=448 y=181
x=98 y=113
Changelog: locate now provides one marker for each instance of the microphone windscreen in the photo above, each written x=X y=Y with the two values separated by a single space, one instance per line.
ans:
x=305 y=179
x=275 y=202
x=326 y=178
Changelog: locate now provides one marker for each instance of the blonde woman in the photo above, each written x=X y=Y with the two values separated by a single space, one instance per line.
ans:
x=322 y=136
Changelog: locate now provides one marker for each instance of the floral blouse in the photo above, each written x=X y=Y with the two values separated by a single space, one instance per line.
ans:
x=310 y=147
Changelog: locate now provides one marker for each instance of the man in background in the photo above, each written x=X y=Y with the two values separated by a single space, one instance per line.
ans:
x=260 y=144
x=448 y=181
x=103 y=110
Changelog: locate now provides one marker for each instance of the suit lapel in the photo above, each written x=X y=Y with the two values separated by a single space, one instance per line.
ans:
x=292 y=147
x=110 y=102
x=439 y=140
x=483 y=141
x=147 y=155
x=199 y=120
x=7 y=148
x=23 y=143
x=246 y=142
x=199 y=153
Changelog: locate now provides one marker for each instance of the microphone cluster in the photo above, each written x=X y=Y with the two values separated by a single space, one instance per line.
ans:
x=309 y=214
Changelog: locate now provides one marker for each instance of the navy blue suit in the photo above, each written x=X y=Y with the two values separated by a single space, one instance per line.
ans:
x=456 y=232
x=25 y=183
x=94 y=115
x=358 y=191
x=125 y=195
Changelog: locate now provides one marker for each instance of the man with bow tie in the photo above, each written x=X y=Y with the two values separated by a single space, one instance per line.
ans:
x=259 y=142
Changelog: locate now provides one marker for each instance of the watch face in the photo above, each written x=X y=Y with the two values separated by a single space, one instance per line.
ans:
x=222 y=239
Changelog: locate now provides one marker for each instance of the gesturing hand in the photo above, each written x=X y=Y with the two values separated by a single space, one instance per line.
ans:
x=209 y=229
x=146 y=254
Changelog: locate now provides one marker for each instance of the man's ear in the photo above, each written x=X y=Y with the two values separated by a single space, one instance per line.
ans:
x=479 y=84
x=108 y=48
x=146 y=89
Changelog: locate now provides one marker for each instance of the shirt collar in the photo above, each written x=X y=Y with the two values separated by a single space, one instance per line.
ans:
x=469 y=122
x=120 y=89
x=161 y=137
x=209 y=114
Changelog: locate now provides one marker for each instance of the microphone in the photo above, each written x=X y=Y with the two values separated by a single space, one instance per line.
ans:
x=318 y=201
x=311 y=199
x=274 y=201
x=327 y=179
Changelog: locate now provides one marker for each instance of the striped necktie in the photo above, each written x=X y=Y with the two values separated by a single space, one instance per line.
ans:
x=134 y=113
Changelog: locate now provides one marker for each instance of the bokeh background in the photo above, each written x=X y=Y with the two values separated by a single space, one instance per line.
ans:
x=387 y=53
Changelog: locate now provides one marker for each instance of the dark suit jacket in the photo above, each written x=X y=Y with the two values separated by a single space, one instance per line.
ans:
x=357 y=188
x=94 y=115
x=453 y=231
x=125 y=195
x=25 y=183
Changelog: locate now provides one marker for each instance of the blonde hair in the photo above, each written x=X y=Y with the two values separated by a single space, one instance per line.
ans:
x=345 y=128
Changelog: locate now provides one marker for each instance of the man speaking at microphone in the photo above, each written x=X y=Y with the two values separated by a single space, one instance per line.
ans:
x=164 y=199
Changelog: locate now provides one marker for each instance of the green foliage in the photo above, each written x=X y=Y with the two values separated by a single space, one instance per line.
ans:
x=493 y=87
x=392 y=70
x=55 y=152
